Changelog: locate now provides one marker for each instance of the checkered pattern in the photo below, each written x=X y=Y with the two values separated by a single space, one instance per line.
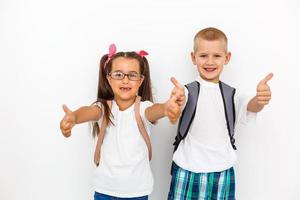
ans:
x=186 y=185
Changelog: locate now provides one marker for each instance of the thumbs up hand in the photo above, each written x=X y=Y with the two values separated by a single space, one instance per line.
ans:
x=178 y=92
x=175 y=102
x=263 y=91
x=172 y=110
x=67 y=123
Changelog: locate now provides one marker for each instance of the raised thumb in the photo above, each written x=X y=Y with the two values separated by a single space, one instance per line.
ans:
x=66 y=109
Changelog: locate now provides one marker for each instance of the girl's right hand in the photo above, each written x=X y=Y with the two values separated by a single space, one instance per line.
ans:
x=67 y=123
x=175 y=103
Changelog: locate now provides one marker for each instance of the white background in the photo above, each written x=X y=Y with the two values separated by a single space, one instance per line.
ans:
x=49 y=55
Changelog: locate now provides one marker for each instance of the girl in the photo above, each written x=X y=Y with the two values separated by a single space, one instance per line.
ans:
x=123 y=148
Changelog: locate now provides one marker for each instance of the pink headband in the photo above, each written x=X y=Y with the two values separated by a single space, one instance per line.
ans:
x=113 y=49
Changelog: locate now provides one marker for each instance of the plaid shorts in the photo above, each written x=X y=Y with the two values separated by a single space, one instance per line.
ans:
x=186 y=185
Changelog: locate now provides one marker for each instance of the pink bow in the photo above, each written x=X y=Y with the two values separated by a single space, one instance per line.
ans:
x=143 y=53
x=113 y=49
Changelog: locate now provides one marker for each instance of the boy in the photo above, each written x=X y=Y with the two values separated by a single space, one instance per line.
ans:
x=205 y=147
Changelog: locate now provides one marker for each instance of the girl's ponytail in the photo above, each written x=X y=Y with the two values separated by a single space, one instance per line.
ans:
x=145 y=91
x=104 y=91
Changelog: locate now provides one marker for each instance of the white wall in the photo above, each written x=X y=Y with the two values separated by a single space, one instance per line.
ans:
x=49 y=55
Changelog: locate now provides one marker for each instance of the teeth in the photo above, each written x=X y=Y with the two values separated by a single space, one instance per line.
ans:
x=210 y=69
x=122 y=88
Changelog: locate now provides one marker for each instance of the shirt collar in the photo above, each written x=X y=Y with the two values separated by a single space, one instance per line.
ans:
x=116 y=107
x=206 y=83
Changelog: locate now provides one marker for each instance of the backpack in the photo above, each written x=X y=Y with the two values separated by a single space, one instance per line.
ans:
x=189 y=111
x=139 y=122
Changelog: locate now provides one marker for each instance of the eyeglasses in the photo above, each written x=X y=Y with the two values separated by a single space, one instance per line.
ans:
x=133 y=76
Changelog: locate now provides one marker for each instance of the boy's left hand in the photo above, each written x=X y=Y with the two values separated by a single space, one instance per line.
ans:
x=263 y=91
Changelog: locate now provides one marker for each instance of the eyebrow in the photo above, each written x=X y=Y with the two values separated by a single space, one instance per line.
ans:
x=212 y=53
x=125 y=72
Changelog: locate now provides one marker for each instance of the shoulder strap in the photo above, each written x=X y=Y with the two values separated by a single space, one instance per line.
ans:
x=229 y=108
x=103 y=127
x=141 y=125
x=188 y=113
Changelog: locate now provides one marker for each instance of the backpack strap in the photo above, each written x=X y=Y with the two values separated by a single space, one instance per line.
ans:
x=228 y=93
x=188 y=113
x=103 y=127
x=141 y=125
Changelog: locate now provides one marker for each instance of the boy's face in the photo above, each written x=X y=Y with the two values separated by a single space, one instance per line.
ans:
x=210 y=58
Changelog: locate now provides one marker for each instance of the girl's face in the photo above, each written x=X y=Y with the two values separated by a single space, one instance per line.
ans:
x=125 y=79
x=210 y=58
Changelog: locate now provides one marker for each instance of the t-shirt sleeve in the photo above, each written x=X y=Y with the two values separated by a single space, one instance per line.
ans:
x=243 y=116
x=99 y=104
x=143 y=106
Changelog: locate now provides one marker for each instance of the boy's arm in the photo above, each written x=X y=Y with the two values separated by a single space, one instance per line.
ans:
x=83 y=114
x=253 y=105
x=263 y=95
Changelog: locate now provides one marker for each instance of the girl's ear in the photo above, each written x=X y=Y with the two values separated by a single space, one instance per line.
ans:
x=141 y=81
x=227 y=57
x=108 y=79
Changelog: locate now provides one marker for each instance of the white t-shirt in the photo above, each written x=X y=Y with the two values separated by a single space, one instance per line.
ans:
x=207 y=147
x=124 y=169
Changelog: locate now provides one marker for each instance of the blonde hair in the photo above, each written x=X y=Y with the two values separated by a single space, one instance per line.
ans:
x=210 y=34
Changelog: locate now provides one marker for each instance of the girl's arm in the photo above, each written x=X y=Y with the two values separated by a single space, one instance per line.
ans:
x=87 y=113
x=83 y=114
x=155 y=112
x=172 y=108
x=263 y=95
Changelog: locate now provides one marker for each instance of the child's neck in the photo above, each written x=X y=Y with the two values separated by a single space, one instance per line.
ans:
x=124 y=104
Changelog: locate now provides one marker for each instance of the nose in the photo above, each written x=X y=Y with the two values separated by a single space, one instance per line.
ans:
x=210 y=60
x=125 y=79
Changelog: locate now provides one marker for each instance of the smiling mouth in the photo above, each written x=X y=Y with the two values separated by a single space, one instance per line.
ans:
x=210 y=69
x=125 y=89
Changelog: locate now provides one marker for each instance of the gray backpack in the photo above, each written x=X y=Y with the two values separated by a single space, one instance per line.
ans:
x=189 y=111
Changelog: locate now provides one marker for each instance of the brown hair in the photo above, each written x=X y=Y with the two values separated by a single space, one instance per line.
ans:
x=210 y=34
x=105 y=92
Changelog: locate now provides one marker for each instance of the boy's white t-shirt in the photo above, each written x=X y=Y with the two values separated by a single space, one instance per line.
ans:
x=207 y=146
x=124 y=168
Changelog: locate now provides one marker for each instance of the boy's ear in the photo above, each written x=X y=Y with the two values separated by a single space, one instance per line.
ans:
x=193 y=57
x=228 y=56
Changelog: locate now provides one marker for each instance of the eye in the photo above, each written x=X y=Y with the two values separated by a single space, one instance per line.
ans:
x=133 y=76
x=117 y=75
x=218 y=56
x=202 y=56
